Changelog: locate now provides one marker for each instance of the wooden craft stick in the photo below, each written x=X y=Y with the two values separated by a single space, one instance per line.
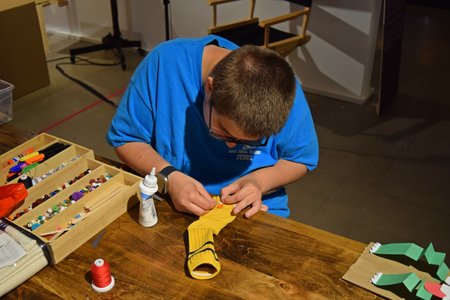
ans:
x=57 y=235
x=89 y=207
x=79 y=218
x=94 y=204
x=53 y=232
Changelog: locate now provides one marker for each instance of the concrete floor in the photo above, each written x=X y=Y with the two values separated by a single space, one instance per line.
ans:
x=383 y=179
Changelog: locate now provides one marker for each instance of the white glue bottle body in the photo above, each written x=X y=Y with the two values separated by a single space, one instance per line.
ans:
x=147 y=211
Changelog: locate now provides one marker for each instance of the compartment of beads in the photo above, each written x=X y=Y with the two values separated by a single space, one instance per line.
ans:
x=34 y=144
x=55 y=164
x=56 y=214
x=49 y=154
x=63 y=185
x=12 y=158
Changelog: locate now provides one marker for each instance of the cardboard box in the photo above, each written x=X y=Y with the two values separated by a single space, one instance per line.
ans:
x=22 y=56
x=69 y=228
x=5 y=102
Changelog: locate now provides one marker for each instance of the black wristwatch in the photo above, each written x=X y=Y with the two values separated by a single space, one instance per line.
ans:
x=163 y=179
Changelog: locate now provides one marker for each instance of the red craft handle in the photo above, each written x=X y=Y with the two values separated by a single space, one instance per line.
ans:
x=11 y=195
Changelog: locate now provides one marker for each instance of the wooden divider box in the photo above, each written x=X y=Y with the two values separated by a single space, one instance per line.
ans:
x=38 y=143
x=69 y=206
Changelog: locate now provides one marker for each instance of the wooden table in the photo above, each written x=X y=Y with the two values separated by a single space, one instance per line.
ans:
x=264 y=257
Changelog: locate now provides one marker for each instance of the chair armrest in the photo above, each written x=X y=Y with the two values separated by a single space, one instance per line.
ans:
x=218 y=28
x=216 y=2
x=283 y=18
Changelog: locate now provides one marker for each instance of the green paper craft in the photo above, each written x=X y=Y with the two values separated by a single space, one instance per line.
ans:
x=368 y=264
x=408 y=249
x=433 y=257
x=443 y=272
x=415 y=252
x=409 y=280
x=422 y=292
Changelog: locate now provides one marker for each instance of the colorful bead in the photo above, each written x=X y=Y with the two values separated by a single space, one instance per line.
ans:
x=57 y=208
x=35 y=225
x=48 y=196
x=77 y=196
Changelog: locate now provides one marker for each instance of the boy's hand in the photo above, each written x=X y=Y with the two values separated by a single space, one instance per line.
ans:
x=243 y=193
x=189 y=195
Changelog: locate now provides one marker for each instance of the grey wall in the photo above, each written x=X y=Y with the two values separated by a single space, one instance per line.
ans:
x=337 y=62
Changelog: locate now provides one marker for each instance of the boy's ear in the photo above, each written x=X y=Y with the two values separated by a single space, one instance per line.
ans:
x=209 y=84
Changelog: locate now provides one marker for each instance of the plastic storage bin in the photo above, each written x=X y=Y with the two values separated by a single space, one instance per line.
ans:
x=5 y=101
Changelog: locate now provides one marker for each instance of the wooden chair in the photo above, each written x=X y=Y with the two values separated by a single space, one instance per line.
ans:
x=260 y=32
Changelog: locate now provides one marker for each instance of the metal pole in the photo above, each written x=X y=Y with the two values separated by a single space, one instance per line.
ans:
x=166 y=16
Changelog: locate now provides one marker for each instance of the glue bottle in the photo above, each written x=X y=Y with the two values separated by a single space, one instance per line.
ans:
x=147 y=212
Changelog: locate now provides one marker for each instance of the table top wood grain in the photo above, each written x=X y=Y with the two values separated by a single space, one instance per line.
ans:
x=264 y=257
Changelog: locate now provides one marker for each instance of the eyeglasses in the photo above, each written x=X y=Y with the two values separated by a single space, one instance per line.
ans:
x=230 y=139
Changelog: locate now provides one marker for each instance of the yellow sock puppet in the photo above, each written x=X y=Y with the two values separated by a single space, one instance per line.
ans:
x=202 y=260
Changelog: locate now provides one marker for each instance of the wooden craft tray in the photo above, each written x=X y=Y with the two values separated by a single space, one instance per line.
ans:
x=98 y=208
x=37 y=143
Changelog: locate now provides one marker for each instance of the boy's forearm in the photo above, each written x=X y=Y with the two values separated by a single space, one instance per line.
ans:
x=141 y=157
x=282 y=173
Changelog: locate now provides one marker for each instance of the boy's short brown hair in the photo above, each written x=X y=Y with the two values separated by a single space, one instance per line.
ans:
x=254 y=87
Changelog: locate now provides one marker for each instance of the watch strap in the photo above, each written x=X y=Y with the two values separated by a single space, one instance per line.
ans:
x=167 y=171
x=163 y=188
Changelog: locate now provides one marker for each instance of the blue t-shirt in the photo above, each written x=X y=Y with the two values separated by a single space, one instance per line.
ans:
x=163 y=106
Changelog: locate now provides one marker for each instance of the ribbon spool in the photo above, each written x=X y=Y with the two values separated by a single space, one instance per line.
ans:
x=102 y=281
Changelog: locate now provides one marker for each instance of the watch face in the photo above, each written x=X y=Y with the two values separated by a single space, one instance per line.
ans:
x=162 y=184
